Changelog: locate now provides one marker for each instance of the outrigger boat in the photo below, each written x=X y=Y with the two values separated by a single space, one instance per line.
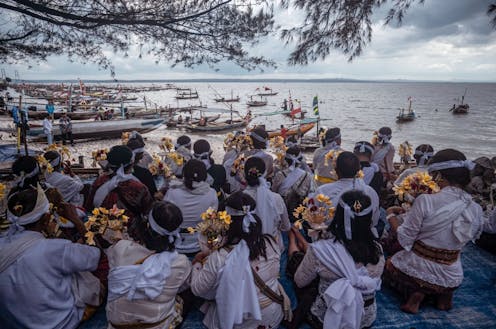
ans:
x=223 y=99
x=409 y=115
x=99 y=129
x=266 y=91
x=254 y=103
x=298 y=130
x=187 y=95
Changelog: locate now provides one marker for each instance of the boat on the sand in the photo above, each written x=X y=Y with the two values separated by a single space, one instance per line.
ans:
x=99 y=129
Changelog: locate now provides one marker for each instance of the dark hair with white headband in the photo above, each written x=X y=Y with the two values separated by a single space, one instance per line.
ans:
x=245 y=224
x=27 y=169
x=332 y=136
x=55 y=159
x=384 y=135
x=453 y=166
x=259 y=137
x=423 y=153
x=293 y=156
x=161 y=232
x=352 y=227
x=363 y=147
x=183 y=141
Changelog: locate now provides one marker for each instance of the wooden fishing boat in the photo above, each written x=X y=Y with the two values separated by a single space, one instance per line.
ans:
x=300 y=129
x=100 y=129
x=182 y=124
x=77 y=115
x=223 y=99
x=406 y=115
x=254 y=103
x=187 y=95
x=213 y=127
x=461 y=108
x=267 y=91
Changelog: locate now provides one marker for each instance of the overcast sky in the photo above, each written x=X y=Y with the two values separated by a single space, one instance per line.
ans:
x=440 y=40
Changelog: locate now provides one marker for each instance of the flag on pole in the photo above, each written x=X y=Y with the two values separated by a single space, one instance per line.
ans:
x=316 y=106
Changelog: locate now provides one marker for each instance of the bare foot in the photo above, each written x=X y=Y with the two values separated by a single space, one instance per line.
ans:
x=445 y=301
x=413 y=303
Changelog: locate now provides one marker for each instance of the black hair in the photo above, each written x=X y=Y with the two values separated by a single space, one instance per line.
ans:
x=118 y=155
x=194 y=171
x=184 y=140
x=23 y=202
x=455 y=176
x=52 y=155
x=254 y=238
x=362 y=246
x=331 y=134
x=385 y=131
x=294 y=151
x=347 y=165
x=168 y=216
x=367 y=152
x=424 y=148
x=203 y=146
x=254 y=168
x=26 y=164
x=260 y=131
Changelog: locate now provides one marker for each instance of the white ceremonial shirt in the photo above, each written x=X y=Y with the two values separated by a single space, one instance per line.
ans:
x=423 y=222
x=35 y=290
x=69 y=187
x=192 y=204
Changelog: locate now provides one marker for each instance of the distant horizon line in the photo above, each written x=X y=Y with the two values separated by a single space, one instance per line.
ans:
x=292 y=80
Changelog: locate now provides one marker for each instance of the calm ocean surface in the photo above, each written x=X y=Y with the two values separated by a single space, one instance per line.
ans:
x=360 y=108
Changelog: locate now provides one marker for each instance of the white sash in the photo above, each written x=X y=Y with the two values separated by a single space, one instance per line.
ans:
x=107 y=187
x=292 y=177
x=265 y=208
x=236 y=295
x=344 y=296
x=145 y=281
x=380 y=154
x=17 y=246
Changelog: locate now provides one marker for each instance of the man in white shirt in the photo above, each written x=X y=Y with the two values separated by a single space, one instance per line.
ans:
x=47 y=129
x=347 y=167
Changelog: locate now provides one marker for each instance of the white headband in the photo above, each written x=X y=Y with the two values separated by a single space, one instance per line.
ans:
x=424 y=156
x=452 y=164
x=41 y=207
x=138 y=150
x=349 y=214
x=177 y=145
x=55 y=162
x=162 y=231
x=331 y=139
x=384 y=138
x=246 y=212
x=296 y=159
x=362 y=147
x=24 y=176
x=202 y=156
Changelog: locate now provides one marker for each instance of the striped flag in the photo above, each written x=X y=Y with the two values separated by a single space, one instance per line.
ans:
x=316 y=105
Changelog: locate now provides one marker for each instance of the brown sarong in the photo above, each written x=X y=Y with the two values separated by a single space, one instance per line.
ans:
x=440 y=256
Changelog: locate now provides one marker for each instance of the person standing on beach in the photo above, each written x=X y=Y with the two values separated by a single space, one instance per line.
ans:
x=66 y=128
x=47 y=129
x=50 y=108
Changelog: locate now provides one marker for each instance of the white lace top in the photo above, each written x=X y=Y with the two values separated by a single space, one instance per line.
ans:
x=416 y=219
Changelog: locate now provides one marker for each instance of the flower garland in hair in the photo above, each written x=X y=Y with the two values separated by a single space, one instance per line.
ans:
x=238 y=166
x=4 y=223
x=213 y=227
x=316 y=211
x=375 y=138
x=360 y=174
x=239 y=142
x=157 y=167
x=280 y=148
x=63 y=150
x=99 y=155
x=413 y=186
x=166 y=144
x=44 y=164
x=405 y=151
x=3 y=190
x=125 y=137
x=102 y=220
